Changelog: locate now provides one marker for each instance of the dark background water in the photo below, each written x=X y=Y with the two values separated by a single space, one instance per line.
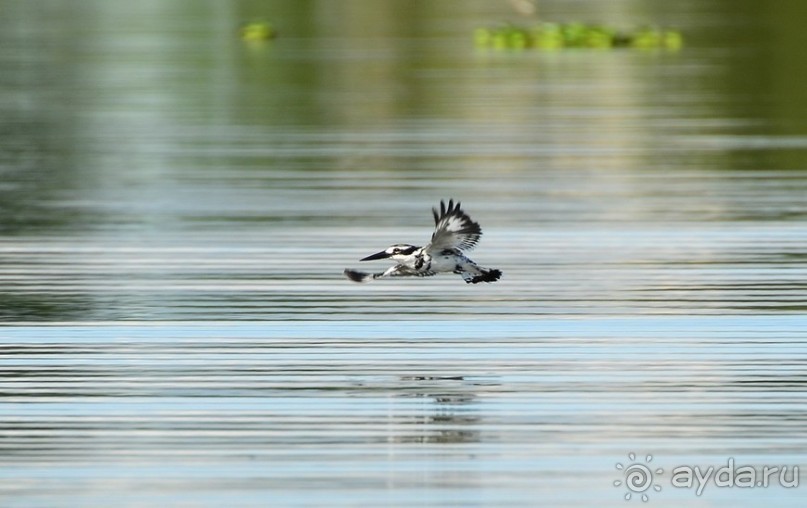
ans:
x=177 y=206
x=155 y=166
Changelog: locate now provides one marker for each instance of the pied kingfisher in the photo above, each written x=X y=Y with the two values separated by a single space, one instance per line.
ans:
x=454 y=232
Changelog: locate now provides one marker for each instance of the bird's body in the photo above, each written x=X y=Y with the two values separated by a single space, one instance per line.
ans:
x=454 y=232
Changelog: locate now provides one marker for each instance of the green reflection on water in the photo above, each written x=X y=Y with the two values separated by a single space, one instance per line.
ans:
x=140 y=121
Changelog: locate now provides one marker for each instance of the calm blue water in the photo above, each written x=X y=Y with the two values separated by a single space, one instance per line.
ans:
x=177 y=207
x=444 y=412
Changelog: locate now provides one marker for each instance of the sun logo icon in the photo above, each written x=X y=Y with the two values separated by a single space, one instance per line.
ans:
x=638 y=477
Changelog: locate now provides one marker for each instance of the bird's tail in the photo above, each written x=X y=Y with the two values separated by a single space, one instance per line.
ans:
x=475 y=274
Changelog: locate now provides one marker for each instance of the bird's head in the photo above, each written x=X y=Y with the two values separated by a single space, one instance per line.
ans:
x=397 y=252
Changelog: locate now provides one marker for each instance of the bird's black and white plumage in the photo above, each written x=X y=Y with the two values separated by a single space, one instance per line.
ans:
x=454 y=233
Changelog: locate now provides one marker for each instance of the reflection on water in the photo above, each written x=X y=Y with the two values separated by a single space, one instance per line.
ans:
x=176 y=173
x=647 y=210
x=327 y=413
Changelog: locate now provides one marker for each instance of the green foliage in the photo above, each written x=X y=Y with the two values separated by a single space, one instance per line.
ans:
x=553 y=36
x=258 y=31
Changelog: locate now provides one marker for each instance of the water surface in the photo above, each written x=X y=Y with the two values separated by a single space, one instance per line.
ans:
x=177 y=207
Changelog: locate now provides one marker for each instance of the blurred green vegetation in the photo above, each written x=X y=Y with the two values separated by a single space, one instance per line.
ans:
x=554 y=36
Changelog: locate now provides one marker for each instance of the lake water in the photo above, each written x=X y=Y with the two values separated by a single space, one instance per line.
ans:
x=177 y=206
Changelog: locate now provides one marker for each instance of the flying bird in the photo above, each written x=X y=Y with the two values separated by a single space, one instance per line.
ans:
x=454 y=233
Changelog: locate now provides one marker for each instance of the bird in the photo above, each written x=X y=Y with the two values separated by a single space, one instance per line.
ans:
x=454 y=234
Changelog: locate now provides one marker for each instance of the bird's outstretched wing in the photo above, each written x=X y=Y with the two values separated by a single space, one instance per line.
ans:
x=453 y=229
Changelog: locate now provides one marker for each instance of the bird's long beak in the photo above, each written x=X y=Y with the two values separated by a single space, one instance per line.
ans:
x=377 y=255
